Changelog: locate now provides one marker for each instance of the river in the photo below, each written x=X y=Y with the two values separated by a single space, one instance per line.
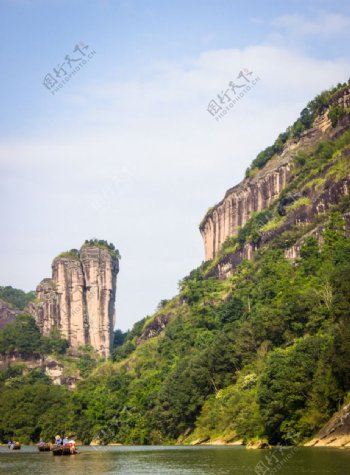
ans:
x=204 y=460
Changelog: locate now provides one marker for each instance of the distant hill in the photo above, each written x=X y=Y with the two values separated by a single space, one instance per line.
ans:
x=16 y=297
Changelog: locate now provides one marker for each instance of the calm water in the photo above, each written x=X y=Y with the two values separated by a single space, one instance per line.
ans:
x=176 y=461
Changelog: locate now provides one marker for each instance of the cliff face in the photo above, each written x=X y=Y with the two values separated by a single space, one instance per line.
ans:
x=255 y=193
x=79 y=299
x=100 y=272
x=7 y=313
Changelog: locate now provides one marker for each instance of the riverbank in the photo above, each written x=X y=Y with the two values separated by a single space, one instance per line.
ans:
x=340 y=442
x=331 y=441
x=336 y=433
x=218 y=441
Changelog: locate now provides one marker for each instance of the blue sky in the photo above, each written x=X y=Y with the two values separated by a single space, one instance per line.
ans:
x=126 y=150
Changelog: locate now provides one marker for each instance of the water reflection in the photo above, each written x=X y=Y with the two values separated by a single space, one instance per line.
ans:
x=170 y=461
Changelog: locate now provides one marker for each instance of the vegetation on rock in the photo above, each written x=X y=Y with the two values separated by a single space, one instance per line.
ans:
x=304 y=122
x=103 y=245
x=72 y=254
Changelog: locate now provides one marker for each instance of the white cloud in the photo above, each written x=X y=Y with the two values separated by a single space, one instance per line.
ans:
x=324 y=24
x=145 y=163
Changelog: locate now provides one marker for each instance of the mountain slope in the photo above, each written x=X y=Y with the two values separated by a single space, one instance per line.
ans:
x=250 y=348
x=257 y=342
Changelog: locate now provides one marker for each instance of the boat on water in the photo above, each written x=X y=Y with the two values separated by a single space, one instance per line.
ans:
x=68 y=449
x=15 y=446
x=44 y=447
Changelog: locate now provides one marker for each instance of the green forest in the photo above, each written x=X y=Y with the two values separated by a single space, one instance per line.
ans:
x=262 y=354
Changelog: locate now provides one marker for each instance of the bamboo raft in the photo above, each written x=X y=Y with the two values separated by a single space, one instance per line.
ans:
x=16 y=446
x=44 y=448
x=64 y=450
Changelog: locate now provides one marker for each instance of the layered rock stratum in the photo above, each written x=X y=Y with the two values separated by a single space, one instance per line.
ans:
x=256 y=193
x=79 y=299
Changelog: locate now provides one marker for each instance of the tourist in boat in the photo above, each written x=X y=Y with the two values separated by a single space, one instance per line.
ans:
x=66 y=447
x=72 y=446
x=44 y=446
x=58 y=440
x=13 y=445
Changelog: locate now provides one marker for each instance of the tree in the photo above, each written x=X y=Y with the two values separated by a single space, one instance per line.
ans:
x=29 y=411
x=335 y=113
x=22 y=336
x=286 y=384
x=54 y=343
x=16 y=297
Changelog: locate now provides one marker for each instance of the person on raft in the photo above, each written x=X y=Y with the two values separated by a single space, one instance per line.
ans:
x=11 y=445
x=58 y=440
x=72 y=446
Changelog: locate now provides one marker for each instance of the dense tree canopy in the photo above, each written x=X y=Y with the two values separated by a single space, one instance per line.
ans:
x=22 y=338
x=16 y=297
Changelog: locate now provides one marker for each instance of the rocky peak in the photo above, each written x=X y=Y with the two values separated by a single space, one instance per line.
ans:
x=79 y=299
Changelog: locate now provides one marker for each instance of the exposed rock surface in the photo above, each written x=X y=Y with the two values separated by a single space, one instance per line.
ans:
x=217 y=441
x=302 y=216
x=255 y=193
x=79 y=299
x=7 y=313
x=258 y=444
x=53 y=369
x=336 y=433
x=155 y=327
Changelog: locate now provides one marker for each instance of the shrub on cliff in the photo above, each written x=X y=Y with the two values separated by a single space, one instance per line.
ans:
x=103 y=245
x=336 y=112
